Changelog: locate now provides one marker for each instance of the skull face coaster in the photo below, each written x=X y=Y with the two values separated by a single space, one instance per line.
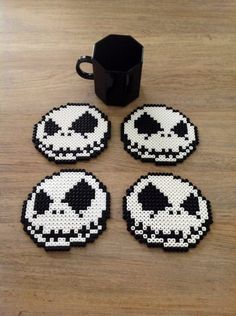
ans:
x=66 y=209
x=163 y=210
x=159 y=133
x=72 y=132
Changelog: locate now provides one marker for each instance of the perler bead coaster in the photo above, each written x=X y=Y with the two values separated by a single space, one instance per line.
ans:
x=155 y=132
x=68 y=208
x=72 y=132
x=163 y=210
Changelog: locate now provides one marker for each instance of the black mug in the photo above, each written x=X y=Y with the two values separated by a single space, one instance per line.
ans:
x=117 y=67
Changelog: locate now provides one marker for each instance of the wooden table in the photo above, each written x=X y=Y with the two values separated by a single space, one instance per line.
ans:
x=189 y=63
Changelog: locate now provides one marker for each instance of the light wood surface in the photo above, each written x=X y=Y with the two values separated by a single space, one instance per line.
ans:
x=190 y=64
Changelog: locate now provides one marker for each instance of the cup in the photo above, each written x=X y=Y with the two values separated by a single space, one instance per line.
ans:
x=117 y=67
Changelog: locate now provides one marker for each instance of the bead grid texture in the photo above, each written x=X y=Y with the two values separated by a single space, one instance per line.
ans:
x=157 y=133
x=72 y=132
x=163 y=210
x=68 y=208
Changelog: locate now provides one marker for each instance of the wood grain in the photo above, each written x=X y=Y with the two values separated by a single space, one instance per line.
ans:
x=189 y=63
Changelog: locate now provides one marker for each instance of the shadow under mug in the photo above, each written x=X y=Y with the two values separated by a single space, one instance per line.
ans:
x=117 y=67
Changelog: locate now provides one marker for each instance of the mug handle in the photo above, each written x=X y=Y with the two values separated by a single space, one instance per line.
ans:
x=81 y=73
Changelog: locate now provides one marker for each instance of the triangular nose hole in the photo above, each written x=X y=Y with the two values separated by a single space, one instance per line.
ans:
x=152 y=199
x=145 y=124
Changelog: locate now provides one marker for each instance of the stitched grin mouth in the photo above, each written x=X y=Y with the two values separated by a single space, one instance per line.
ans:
x=176 y=237
x=62 y=153
x=53 y=235
x=67 y=151
x=172 y=235
x=164 y=152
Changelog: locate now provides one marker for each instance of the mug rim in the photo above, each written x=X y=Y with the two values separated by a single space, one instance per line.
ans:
x=118 y=71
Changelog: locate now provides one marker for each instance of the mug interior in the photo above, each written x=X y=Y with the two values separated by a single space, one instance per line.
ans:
x=118 y=52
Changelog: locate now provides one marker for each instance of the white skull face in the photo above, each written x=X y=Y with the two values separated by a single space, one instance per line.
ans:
x=67 y=208
x=163 y=210
x=72 y=132
x=160 y=134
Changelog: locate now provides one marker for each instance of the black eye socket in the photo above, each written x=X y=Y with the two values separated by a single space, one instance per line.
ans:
x=84 y=124
x=42 y=202
x=181 y=129
x=153 y=199
x=145 y=124
x=51 y=127
x=80 y=196
x=191 y=204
